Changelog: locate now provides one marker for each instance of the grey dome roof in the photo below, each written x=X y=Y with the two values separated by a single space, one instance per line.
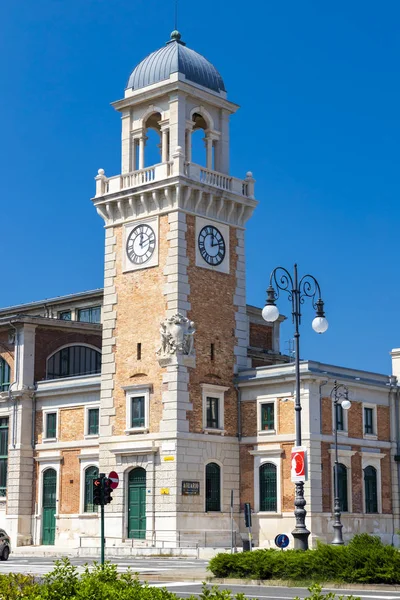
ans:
x=175 y=57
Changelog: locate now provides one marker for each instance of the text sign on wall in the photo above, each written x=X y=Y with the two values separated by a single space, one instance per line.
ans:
x=299 y=464
x=190 y=488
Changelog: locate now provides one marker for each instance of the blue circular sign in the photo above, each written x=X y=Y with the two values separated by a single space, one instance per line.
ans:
x=282 y=540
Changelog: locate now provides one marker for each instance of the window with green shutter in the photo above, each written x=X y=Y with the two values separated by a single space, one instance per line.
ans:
x=3 y=455
x=91 y=473
x=370 y=490
x=212 y=409
x=137 y=411
x=342 y=487
x=268 y=488
x=213 y=487
x=5 y=374
x=267 y=416
x=51 y=425
x=93 y=421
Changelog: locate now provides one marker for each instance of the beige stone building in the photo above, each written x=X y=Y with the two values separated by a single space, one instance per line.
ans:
x=166 y=376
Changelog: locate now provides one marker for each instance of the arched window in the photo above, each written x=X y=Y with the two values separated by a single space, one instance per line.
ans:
x=342 y=488
x=5 y=374
x=370 y=489
x=91 y=473
x=268 y=493
x=73 y=361
x=213 y=487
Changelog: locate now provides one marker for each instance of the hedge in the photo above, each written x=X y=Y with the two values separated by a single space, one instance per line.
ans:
x=364 y=560
x=104 y=583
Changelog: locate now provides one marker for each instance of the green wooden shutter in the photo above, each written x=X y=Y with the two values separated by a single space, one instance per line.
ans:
x=51 y=425
x=5 y=374
x=91 y=473
x=342 y=488
x=137 y=503
x=267 y=417
x=137 y=416
x=371 y=492
x=213 y=487
x=339 y=417
x=49 y=506
x=93 y=421
x=268 y=488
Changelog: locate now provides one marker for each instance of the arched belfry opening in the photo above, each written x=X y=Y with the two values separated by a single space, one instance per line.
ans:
x=153 y=149
x=200 y=142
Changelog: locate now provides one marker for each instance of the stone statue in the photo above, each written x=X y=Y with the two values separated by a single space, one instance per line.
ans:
x=177 y=336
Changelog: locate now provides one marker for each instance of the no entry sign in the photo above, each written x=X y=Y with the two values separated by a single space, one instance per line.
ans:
x=299 y=464
x=114 y=479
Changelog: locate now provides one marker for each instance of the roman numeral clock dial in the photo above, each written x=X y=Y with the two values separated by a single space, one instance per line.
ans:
x=140 y=244
x=211 y=245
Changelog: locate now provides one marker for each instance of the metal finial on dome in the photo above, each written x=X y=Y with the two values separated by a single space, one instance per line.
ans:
x=175 y=35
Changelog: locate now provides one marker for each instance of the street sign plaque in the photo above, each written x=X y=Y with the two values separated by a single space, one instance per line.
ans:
x=282 y=540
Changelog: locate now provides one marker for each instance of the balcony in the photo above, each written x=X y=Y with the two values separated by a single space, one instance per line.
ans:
x=163 y=171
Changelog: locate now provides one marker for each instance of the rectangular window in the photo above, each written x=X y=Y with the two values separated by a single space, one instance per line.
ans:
x=339 y=418
x=267 y=417
x=369 y=421
x=3 y=455
x=65 y=315
x=89 y=315
x=137 y=412
x=93 y=421
x=212 y=408
x=51 y=425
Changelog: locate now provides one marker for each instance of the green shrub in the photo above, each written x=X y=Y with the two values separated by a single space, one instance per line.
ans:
x=365 y=560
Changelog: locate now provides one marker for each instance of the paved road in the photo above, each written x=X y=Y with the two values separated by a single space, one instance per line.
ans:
x=184 y=589
x=186 y=568
x=145 y=566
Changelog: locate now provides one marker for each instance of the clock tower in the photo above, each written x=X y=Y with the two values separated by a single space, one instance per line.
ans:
x=175 y=329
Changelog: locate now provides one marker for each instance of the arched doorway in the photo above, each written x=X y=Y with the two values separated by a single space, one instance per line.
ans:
x=49 y=507
x=137 y=504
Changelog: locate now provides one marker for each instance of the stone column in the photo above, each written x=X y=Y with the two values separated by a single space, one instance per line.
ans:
x=164 y=145
x=20 y=456
x=209 y=151
x=142 y=143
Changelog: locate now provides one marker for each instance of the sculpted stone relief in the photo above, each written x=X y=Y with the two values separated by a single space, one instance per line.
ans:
x=177 y=336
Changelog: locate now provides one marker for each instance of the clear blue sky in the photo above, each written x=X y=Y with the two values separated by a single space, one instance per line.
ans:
x=319 y=127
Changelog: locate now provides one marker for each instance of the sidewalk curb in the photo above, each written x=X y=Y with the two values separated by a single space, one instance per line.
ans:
x=292 y=584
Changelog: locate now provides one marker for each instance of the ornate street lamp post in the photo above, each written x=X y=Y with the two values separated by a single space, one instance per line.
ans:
x=298 y=291
x=339 y=392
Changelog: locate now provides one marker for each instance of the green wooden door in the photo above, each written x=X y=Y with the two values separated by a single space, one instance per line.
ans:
x=137 y=504
x=49 y=507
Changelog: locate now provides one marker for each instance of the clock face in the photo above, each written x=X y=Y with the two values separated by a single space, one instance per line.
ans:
x=211 y=245
x=140 y=244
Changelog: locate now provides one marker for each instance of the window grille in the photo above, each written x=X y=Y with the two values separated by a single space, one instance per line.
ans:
x=268 y=488
x=73 y=361
x=371 y=491
x=213 y=487
x=91 y=473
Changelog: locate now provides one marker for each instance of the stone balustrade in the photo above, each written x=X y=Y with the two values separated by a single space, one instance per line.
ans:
x=161 y=171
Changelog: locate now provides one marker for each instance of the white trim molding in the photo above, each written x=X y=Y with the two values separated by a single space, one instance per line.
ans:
x=87 y=435
x=45 y=413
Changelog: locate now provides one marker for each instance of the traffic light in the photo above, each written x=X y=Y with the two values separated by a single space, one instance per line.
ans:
x=247 y=514
x=107 y=491
x=97 y=491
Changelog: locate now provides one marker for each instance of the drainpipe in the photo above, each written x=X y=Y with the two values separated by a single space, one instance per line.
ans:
x=321 y=385
x=10 y=396
x=33 y=419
